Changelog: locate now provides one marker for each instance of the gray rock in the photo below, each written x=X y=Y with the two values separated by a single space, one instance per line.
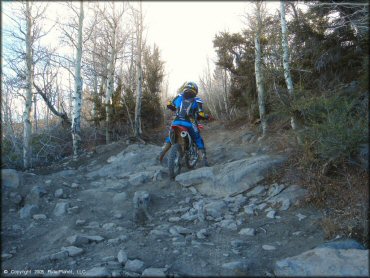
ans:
x=140 y=178
x=134 y=265
x=61 y=209
x=15 y=198
x=196 y=176
x=293 y=193
x=130 y=274
x=247 y=232
x=159 y=233
x=141 y=201
x=237 y=243
x=59 y=256
x=39 y=216
x=79 y=240
x=235 y=203
x=10 y=178
x=109 y=226
x=249 y=209
x=154 y=272
x=261 y=206
x=6 y=256
x=228 y=224
x=122 y=257
x=215 y=208
x=74 y=185
x=268 y=247
x=73 y=250
x=98 y=272
x=236 y=266
x=133 y=159
x=35 y=195
x=175 y=219
x=343 y=244
x=275 y=189
x=325 y=262
x=202 y=234
x=80 y=222
x=117 y=240
x=74 y=209
x=28 y=211
x=230 y=177
x=271 y=214
x=58 y=193
x=93 y=225
x=178 y=230
x=285 y=204
x=120 y=198
x=259 y=189
x=301 y=216
x=109 y=258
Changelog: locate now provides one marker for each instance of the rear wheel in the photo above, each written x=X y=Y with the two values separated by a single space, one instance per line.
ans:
x=174 y=160
x=191 y=157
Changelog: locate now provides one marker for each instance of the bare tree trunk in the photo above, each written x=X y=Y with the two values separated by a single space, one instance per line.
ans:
x=77 y=97
x=226 y=99
x=110 y=85
x=284 y=44
x=35 y=128
x=258 y=70
x=139 y=90
x=288 y=78
x=27 y=127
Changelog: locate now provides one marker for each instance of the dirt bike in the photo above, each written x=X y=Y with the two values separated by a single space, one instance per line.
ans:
x=183 y=146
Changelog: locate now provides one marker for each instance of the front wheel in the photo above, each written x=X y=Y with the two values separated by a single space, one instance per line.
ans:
x=174 y=160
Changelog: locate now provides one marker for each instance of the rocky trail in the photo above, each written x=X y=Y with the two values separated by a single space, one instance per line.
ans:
x=117 y=213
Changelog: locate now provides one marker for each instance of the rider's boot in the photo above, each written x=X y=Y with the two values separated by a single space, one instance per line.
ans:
x=164 y=150
x=204 y=158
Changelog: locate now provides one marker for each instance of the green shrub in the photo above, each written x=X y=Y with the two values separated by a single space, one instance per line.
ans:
x=335 y=127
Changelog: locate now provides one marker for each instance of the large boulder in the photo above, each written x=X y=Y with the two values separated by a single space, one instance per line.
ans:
x=10 y=178
x=198 y=176
x=325 y=262
x=135 y=158
x=236 y=176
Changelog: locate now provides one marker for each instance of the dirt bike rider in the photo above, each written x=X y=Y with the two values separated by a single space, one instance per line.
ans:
x=189 y=108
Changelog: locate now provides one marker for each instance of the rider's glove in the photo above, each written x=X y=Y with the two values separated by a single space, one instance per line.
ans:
x=171 y=106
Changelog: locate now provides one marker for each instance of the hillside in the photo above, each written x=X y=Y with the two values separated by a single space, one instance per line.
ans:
x=78 y=217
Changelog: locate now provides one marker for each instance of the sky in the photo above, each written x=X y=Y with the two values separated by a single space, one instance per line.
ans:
x=184 y=31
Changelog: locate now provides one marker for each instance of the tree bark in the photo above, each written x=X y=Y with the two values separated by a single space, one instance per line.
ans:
x=110 y=83
x=27 y=126
x=62 y=115
x=284 y=44
x=258 y=71
x=77 y=96
x=139 y=90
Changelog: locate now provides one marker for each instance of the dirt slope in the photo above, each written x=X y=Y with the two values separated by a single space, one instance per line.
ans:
x=174 y=241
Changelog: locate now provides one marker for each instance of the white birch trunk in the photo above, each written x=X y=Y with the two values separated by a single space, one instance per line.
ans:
x=109 y=92
x=27 y=127
x=226 y=99
x=258 y=72
x=284 y=44
x=94 y=112
x=139 y=90
x=77 y=96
